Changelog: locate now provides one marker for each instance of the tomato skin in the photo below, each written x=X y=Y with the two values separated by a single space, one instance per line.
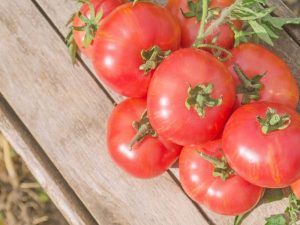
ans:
x=267 y=160
x=148 y=158
x=279 y=85
x=121 y=38
x=168 y=92
x=190 y=26
x=296 y=188
x=107 y=6
x=233 y=196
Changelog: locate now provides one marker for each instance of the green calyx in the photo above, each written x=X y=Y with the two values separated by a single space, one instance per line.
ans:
x=221 y=166
x=152 y=57
x=70 y=41
x=91 y=24
x=143 y=128
x=250 y=88
x=273 y=121
x=195 y=10
x=199 y=98
x=90 y=27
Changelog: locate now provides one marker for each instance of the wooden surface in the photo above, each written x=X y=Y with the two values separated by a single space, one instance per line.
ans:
x=64 y=108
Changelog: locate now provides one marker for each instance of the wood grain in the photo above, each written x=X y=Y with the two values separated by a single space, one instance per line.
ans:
x=43 y=170
x=66 y=112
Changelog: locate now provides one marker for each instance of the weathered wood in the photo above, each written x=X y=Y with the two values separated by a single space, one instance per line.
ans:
x=282 y=10
x=58 y=12
x=65 y=110
x=43 y=170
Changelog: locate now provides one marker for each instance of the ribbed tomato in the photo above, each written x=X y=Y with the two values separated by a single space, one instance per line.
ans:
x=142 y=156
x=224 y=192
x=263 y=76
x=261 y=142
x=190 y=97
x=130 y=44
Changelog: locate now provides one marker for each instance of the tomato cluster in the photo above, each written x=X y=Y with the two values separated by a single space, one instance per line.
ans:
x=232 y=124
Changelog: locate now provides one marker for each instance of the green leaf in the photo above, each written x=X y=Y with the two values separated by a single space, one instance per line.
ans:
x=276 y=220
x=278 y=22
x=261 y=32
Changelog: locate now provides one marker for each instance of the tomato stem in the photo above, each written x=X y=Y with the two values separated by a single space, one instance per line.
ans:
x=224 y=14
x=221 y=166
x=219 y=51
x=203 y=21
x=199 y=98
x=143 y=128
x=250 y=88
x=273 y=121
x=152 y=57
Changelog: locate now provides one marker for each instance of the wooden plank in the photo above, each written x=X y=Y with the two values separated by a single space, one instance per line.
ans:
x=59 y=11
x=282 y=10
x=65 y=110
x=43 y=170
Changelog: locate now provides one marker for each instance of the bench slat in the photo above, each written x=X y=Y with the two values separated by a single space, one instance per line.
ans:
x=43 y=170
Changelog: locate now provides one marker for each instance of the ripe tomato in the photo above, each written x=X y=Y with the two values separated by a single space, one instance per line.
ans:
x=296 y=188
x=232 y=196
x=150 y=156
x=121 y=38
x=107 y=6
x=274 y=83
x=261 y=142
x=190 y=25
x=190 y=97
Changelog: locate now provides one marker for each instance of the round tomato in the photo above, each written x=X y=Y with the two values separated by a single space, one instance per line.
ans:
x=130 y=43
x=262 y=144
x=144 y=155
x=260 y=75
x=296 y=188
x=224 y=192
x=190 y=97
x=85 y=45
x=190 y=22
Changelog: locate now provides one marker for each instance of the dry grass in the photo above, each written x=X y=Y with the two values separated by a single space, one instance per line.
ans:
x=22 y=201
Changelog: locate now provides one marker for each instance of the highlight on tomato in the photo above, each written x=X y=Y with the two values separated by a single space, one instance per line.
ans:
x=189 y=12
x=133 y=144
x=131 y=43
x=260 y=75
x=190 y=97
x=207 y=178
x=85 y=23
x=261 y=143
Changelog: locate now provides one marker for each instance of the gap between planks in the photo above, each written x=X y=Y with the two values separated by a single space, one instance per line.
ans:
x=42 y=168
x=114 y=102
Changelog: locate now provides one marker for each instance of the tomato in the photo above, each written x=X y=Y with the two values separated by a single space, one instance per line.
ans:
x=190 y=97
x=277 y=83
x=150 y=156
x=121 y=38
x=107 y=6
x=231 y=196
x=261 y=142
x=190 y=26
x=296 y=188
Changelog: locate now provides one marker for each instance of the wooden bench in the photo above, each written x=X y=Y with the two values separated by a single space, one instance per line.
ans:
x=55 y=114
